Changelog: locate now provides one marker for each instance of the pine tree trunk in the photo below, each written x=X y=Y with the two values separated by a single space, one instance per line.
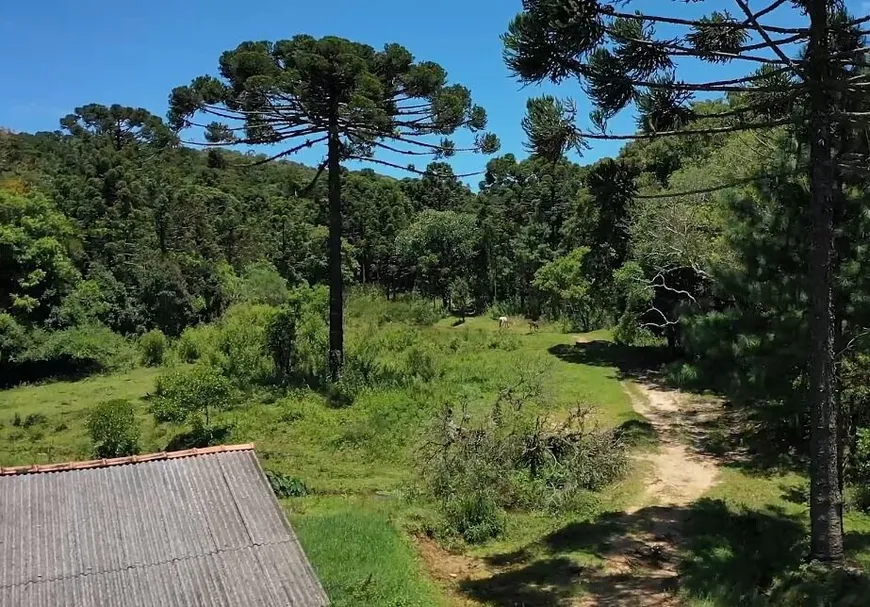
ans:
x=336 y=295
x=826 y=537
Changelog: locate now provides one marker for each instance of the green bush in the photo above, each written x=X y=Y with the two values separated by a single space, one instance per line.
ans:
x=192 y=395
x=240 y=338
x=285 y=486
x=152 y=348
x=281 y=342
x=195 y=343
x=114 y=429
x=420 y=363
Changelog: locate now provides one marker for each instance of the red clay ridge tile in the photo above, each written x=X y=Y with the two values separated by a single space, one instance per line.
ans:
x=120 y=461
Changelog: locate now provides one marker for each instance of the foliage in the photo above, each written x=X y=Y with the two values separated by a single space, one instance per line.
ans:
x=78 y=349
x=13 y=339
x=240 y=345
x=814 y=585
x=281 y=341
x=195 y=343
x=192 y=395
x=114 y=429
x=565 y=288
x=37 y=269
x=152 y=348
x=286 y=486
x=438 y=248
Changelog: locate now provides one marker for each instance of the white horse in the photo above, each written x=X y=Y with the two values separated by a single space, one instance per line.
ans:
x=504 y=322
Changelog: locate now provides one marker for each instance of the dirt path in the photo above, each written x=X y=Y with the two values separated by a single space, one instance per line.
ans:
x=640 y=559
x=641 y=563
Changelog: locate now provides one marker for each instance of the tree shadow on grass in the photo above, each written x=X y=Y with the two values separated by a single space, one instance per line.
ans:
x=631 y=362
x=197 y=438
x=707 y=549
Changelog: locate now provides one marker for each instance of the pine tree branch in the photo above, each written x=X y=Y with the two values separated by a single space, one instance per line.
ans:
x=307 y=189
x=769 y=9
x=409 y=169
x=678 y=50
x=305 y=144
x=708 y=131
x=708 y=190
x=766 y=37
x=691 y=23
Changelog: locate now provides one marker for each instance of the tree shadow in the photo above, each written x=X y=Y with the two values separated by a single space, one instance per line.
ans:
x=758 y=440
x=707 y=549
x=637 y=432
x=197 y=438
x=631 y=362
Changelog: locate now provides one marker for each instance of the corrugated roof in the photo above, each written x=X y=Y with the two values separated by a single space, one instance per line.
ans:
x=199 y=527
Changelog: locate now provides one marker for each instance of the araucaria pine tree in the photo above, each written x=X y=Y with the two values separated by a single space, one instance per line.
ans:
x=806 y=76
x=348 y=97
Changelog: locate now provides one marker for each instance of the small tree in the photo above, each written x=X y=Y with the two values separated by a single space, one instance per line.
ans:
x=356 y=101
x=566 y=289
x=192 y=396
x=114 y=429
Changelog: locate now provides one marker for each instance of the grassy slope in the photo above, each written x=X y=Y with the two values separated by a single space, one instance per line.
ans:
x=357 y=460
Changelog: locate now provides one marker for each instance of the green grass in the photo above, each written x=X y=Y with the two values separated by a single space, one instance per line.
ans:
x=58 y=412
x=362 y=558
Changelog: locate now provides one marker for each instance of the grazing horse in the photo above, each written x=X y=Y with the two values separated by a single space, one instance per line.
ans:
x=504 y=322
x=534 y=326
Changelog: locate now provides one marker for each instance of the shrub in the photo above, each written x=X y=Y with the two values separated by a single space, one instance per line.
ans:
x=477 y=517
x=192 y=395
x=263 y=284
x=286 y=486
x=420 y=363
x=152 y=348
x=280 y=342
x=195 y=343
x=113 y=429
x=240 y=337
x=34 y=419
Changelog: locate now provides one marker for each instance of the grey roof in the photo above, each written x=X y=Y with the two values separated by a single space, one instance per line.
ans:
x=191 y=528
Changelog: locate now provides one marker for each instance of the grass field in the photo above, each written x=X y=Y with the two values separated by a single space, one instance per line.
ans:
x=358 y=522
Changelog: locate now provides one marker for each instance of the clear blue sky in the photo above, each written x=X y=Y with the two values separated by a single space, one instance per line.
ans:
x=59 y=54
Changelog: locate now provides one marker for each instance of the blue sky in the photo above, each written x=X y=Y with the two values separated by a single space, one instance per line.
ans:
x=57 y=54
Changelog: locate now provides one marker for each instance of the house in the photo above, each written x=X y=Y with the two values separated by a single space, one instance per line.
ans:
x=198 y=527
